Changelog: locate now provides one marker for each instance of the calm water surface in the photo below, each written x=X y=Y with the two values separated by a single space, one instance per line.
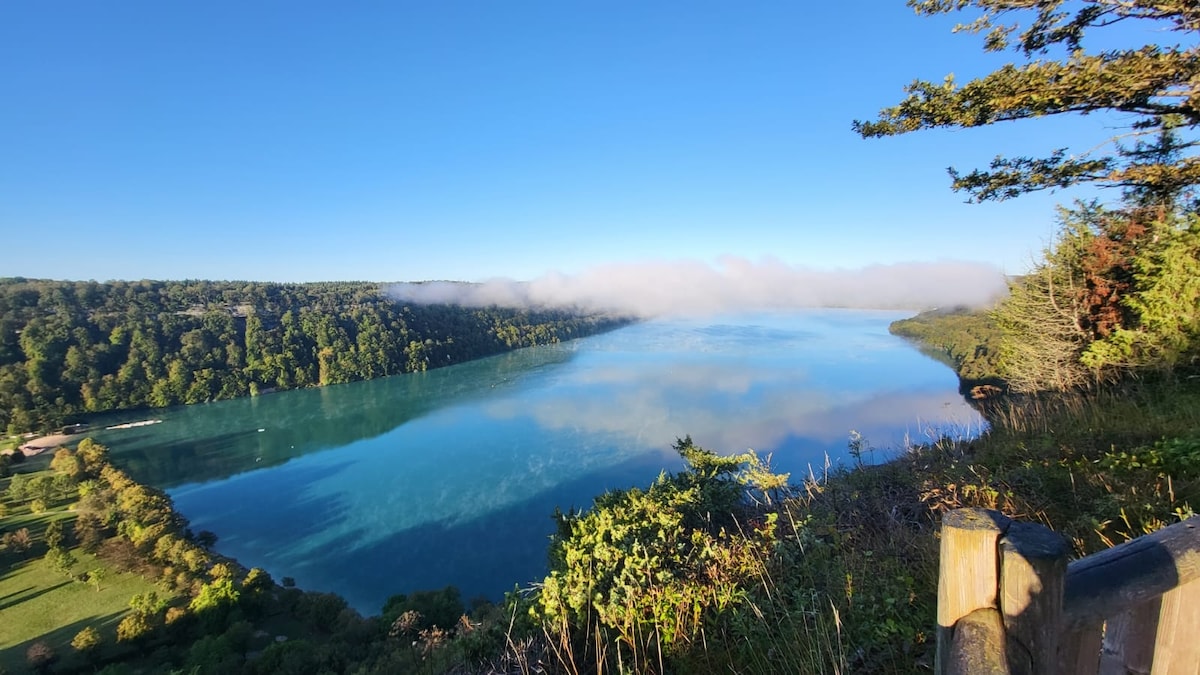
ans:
x=450 y=477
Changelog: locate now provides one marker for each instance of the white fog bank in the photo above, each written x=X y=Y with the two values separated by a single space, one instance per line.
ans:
x=673 y=288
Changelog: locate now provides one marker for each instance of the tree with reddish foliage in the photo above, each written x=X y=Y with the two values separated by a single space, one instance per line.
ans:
x=1115 y=294
x=40 y=656
x=1108 y=264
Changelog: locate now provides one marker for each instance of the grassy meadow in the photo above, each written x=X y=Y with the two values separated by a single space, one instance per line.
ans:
x=41 y=603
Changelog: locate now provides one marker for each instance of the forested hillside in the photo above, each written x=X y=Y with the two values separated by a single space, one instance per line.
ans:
x=966 y=340
x=68 y=348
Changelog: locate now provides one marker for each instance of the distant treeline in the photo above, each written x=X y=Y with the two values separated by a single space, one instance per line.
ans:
x=69 y=348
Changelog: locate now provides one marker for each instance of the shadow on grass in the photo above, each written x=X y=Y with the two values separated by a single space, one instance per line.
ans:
x=13 y=567
x=68 y=660
x=14 y=599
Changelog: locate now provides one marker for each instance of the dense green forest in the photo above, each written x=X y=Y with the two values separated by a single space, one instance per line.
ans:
x=69 y=348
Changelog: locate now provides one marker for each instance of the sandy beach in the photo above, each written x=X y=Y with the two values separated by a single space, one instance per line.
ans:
x=43 y=443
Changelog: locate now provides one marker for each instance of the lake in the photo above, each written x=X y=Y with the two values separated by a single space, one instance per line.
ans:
x=451 y=476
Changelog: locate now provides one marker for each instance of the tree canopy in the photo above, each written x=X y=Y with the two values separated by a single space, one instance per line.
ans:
x=1155 y=86
x=70 y=348
x=1116 y=293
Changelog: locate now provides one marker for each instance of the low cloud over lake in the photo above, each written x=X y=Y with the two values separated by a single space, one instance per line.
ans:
x=671 y=288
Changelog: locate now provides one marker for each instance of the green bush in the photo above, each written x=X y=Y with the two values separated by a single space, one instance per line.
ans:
x=87 y=641
x=652 y=568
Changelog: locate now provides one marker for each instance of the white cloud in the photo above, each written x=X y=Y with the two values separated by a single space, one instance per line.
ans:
x=688 y=287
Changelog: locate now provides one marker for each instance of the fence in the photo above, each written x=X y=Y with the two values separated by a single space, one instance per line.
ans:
x=1008 y=601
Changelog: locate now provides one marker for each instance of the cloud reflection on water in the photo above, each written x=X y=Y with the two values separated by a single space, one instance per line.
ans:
x=731 y=407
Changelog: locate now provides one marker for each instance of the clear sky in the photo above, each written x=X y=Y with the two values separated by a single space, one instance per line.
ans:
x=391 y=141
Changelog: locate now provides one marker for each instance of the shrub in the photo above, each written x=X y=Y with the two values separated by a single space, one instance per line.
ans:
x=148 y=603
x=221 y=571
x=136 y=627
x=62 y=560
x=293 y=656
x=426 y=609
x=19 y=541
x=89 y=531
x=86 y=641
x=654 y=567
x=65 y=462
x=39 y=656
x=322 y=610
x=55 y=536
x=215 y=603
x=213 y=654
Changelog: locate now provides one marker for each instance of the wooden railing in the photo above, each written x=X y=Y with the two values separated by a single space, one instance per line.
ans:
x=1008 y=601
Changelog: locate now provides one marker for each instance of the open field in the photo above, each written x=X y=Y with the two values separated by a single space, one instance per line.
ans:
x=39 y=602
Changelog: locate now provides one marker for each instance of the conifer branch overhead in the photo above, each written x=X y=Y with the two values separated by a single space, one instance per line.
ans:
x=1158 y=85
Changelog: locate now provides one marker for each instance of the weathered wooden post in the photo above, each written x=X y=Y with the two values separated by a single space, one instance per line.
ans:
x=978 y=645
x=1128 y=643
x=1033 y=572
x=1148 y=592
x=1079 y=649
x=1000 y=595
x=1008 y=602
x=968 y=581
x=1177 y=644
x=1177 y=641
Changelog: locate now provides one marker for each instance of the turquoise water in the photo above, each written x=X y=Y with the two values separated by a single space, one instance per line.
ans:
x=451 y=476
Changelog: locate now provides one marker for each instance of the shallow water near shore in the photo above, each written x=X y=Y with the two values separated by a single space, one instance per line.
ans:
x=451 y=476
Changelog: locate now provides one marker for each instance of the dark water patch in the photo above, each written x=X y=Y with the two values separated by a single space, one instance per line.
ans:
x=274 y=513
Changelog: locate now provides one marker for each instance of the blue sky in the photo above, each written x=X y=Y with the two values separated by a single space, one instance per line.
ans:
x=391 y=141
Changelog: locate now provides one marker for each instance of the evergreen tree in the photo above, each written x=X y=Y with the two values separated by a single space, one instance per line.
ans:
x=1117 y=291
x=1155 y=86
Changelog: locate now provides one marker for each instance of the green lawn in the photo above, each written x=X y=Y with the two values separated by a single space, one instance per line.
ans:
x=38 y=602
x=36 y=522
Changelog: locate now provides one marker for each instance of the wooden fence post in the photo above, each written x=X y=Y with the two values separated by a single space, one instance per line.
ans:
x=968 y=574
x=1008 y=602
x=1177 y=644
x=1033 y=573
x=1128 y=646
x=978 y=644
x=1079 y=649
